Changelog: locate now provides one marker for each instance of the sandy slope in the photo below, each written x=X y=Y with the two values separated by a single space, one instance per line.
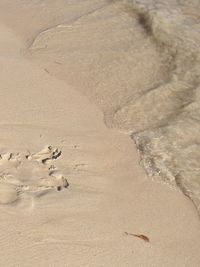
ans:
x=108 y=195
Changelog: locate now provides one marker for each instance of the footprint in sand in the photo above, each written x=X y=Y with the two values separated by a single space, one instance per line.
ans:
x=29 y=173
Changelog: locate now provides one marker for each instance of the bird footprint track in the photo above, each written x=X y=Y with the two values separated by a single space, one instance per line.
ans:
x=29 y=173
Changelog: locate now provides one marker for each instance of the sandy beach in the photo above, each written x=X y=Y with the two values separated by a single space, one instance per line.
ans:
x=56 y=129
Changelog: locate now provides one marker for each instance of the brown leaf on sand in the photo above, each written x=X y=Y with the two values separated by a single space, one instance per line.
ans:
x=143 y=237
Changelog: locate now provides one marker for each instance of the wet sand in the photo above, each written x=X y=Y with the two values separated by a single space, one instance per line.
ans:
x=109 y=193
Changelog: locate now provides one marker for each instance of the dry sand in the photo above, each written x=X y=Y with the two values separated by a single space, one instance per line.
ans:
x=108 y=194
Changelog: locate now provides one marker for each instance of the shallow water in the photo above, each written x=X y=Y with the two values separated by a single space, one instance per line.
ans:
x=139 y=61
x=170 y=149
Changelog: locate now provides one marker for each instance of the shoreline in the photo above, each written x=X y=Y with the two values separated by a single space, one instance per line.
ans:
x=109 y=192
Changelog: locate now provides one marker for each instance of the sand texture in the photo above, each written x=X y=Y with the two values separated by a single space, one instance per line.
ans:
x=73 y=191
